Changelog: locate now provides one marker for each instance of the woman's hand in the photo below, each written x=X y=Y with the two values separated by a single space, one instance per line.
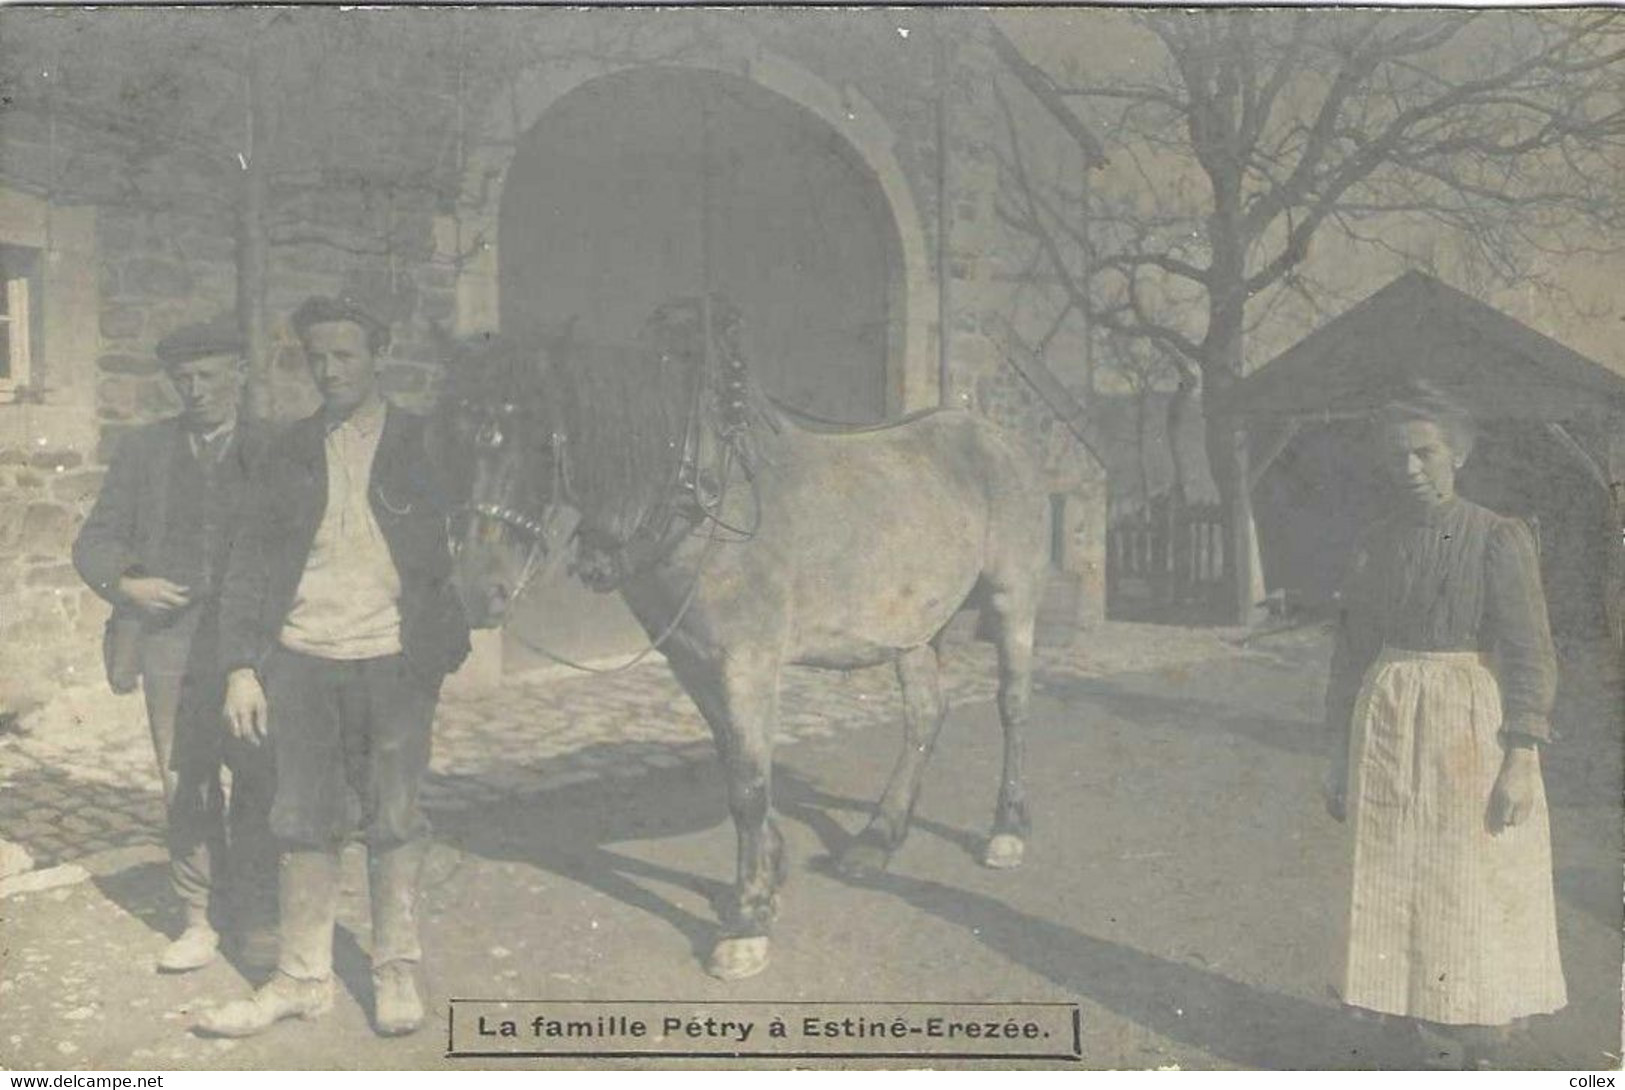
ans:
x=1513 y=797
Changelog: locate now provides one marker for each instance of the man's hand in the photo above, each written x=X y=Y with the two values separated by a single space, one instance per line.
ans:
x=152 y=595
x=245 y=706
x=1513 y=797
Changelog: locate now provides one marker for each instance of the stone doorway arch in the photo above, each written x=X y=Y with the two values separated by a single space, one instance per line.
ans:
x=470 y=236
x=656 y=182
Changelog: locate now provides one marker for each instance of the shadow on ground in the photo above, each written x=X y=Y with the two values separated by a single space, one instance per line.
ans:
x=143 y=891
x=1200 y=1008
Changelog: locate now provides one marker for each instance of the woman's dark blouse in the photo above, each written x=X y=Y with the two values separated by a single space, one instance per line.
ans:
x=1457 y=577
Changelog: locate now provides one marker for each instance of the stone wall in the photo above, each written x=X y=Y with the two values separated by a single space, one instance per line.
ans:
x=49 y=621
x=880 y=78
x=48 y=472
x=161 y=271
x=150 y=273
x=157 y=273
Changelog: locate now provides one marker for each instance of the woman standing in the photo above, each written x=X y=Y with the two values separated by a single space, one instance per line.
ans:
x=1440 y=689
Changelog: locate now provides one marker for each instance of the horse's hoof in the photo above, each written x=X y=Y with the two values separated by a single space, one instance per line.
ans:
x=1003 y=851
x=862 y=859
x=735 y=959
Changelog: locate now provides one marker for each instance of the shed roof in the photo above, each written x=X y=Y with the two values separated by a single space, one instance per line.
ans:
x=1420 y=327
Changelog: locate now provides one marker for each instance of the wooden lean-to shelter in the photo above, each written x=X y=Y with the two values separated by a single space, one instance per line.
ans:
x=1551 y=446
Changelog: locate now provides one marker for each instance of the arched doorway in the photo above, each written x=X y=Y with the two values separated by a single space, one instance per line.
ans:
x=650 y=183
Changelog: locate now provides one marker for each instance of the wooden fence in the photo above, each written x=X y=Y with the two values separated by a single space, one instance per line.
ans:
x=1165 y=557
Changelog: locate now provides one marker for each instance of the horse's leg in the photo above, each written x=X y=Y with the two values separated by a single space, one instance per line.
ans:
x=745 y=742
x=924 y=710
x=740 y=702
x=1015 y=610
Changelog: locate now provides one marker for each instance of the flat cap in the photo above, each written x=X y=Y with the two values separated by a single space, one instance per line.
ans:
x=220 y=336
x=322 y=308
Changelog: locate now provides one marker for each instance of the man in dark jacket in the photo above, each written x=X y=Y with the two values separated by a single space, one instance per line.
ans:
x=338 y=624
x=155 y=546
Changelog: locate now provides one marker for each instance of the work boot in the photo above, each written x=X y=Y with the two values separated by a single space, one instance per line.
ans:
x=397 y=1008
x=196 y=946
x=283 y=997
x=393 y=877
x=303 y=985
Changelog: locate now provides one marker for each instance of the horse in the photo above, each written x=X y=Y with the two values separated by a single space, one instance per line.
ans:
x=745 y=537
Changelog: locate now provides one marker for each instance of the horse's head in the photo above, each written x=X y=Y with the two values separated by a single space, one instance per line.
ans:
x=501 y=456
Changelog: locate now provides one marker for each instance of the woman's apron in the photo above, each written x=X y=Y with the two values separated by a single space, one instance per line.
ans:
x=1447 y=921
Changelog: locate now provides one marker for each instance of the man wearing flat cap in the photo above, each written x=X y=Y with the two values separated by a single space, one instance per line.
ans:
x=155 y=546
x=338 y=624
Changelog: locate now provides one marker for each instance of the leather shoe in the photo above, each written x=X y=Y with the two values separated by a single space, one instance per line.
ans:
x=396 y=1007
x=283 y=997
x=196 y=947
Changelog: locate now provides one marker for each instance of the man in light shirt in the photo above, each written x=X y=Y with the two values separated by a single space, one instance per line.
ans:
x=338 y=624
x=155 y=546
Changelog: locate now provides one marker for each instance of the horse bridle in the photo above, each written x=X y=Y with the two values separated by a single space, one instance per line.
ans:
x=531 y=526
x=706 y=511
x=490 y=438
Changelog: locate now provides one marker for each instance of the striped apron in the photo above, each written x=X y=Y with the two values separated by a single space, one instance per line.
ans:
x=1445 y=921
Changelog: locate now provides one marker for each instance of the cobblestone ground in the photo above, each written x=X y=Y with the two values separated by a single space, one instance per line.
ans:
x=78 y=781
x=1181 y=885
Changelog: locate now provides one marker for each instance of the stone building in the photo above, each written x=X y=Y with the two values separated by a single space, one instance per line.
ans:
x=832 y=172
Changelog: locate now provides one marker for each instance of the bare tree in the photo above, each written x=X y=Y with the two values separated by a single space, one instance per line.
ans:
x=1255 y=132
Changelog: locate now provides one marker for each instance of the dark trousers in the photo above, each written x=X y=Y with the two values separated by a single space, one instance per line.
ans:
x=222 y=856
x=352 y=746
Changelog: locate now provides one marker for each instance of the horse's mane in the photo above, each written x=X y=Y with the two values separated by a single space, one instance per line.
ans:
x=487 y=378
x=488 y=369
x=632 y=414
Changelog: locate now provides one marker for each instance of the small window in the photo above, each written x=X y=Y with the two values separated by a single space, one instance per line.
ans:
x=19 y=317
